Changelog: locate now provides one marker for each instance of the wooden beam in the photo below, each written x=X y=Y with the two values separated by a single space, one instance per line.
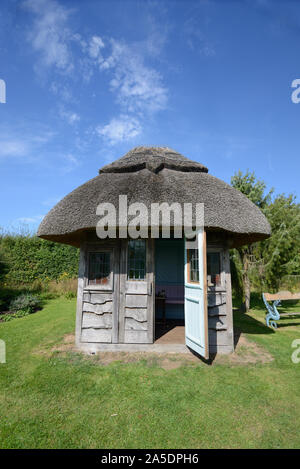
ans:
x=81 y=277
x=282 y=295
x=151 y=289
x=204 y=253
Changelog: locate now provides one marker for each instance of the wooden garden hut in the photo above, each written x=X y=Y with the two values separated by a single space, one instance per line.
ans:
x=129 y=288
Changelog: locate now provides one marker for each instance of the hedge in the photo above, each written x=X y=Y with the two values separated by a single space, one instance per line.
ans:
x=25 y=259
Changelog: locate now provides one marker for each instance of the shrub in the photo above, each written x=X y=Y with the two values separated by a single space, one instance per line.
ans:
x=25 y=304
x=290 y=282
x=70 y=295
x=9 y=316
x=28 y=260
x=64 y=287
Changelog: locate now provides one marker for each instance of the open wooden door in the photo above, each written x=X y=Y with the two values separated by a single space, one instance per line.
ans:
x=195 y=295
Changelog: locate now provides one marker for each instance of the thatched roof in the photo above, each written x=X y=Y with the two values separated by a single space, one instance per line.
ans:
x=154 y=159
x=150 y=174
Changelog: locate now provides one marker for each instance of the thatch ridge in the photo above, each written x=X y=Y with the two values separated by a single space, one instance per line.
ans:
x=154 y=159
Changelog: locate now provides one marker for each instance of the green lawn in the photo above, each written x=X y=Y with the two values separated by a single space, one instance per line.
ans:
x=64 y=400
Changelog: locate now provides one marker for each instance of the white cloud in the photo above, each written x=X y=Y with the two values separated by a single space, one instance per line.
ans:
x=70 y=116
x=20 y=142
x=95 y=46
x=73 y=117
x=72 y=159
x=196 y=39
x=120 y=129
x=63 y=91
x=12 y=147
x=50 y=35
x=71 y=162
x=32 y=219
x=138 y=88
x=51 y=201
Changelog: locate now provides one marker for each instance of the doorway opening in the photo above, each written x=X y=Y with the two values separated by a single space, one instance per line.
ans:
x=169 y=291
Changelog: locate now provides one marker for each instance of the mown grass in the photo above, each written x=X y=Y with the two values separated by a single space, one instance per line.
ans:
x=66 y=400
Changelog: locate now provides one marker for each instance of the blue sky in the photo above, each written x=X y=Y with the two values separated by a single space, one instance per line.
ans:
x=87 y=81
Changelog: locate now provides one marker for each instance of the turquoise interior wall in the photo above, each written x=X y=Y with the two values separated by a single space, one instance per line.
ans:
x=169 y=270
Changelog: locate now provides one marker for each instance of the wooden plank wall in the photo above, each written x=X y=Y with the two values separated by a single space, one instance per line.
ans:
x=135 y=313
x=97 y=317
x=220 y=324
x=97 y=307
x=125 y=313
x=137 y=302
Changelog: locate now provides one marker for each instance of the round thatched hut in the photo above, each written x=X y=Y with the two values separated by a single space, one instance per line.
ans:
x=130 y=287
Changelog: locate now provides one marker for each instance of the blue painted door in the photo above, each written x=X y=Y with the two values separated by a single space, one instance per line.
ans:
x=195 y=306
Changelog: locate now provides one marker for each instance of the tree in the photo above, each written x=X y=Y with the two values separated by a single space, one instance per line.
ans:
x=255 y=190
x=281 y=252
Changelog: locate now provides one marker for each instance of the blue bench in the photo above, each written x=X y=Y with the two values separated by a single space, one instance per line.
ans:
x=273 y=314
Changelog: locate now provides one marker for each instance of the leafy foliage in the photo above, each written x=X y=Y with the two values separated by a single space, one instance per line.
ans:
x=268 y=264
x=28 y=258
x=280 y=254
x=9 y=317
x=26 y=303
x=253 y=188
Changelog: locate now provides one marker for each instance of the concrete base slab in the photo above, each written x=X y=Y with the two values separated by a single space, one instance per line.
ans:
x=153 y=348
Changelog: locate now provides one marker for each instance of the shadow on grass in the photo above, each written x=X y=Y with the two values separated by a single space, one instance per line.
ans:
x=280 y=325
x=249 y=325
x=244 y=323
x=289 y=306
x=284 y=321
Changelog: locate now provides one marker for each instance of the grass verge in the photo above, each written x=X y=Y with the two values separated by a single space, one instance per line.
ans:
x=52 y=398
